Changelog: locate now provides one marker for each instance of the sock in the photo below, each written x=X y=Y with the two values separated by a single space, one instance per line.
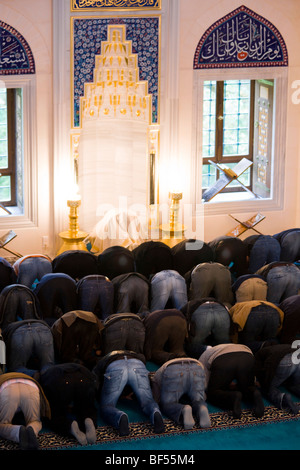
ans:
x=124 y=425
x=79 y=435
x=236 y=409
x=159 y=426
x=90 y=431
x=259 y=407
x=204 y=418
x=188 y=420
x=287 y=402
x=27 y=438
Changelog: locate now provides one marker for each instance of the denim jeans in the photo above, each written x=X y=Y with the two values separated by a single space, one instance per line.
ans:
x=7 y=274
x=262 y=324
x=290 y=245
x=30 y=270
x=287 y=374
x=252 y=288
x=96 y=294
x=291 y=325
x=182 y=378
x=210 y=318
x=283 y=282
x=168 y=285
x=123 y=332
x=30 y=340
x=118 y=374
x=265 y=250
x=17 y=302
x=131 y=293
x=57 y=295
x=211 y=280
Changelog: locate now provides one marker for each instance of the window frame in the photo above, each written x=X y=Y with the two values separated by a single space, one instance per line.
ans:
x=10 y=170
x=276 y=200
x=219 y=135
x=24 y=212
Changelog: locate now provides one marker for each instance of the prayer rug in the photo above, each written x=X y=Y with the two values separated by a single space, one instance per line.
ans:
x=140 y=432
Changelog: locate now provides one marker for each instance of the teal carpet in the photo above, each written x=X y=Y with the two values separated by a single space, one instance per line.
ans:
x=276 y=430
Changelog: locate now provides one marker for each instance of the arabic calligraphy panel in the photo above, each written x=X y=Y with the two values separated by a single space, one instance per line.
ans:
x=15 y=54
x=93 y=5
x=241 y=39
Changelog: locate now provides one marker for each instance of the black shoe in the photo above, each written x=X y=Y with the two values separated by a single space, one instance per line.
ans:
x=159 y=426
x=33 y=443
x=23 y=438
x=28 y=439
x=124 y=426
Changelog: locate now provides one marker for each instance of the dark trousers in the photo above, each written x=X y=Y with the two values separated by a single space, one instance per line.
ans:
x=131 y=294
x=69 y=385
x=168 y=340
x=128 y=334
x=236 y=366
x=80 y=342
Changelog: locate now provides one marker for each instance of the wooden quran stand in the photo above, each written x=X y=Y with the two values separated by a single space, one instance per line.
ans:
x=228 y=175
x=8 y=237
x=244 y=226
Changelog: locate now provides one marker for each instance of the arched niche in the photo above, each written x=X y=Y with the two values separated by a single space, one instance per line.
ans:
x=241 y=39
x=15 y=54
x=113 y=147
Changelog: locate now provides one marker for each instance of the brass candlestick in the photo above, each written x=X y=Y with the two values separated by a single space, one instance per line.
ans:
x=173 y=231
x=73 y=238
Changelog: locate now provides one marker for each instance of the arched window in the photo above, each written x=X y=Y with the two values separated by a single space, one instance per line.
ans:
x=16 y=59
x=240 y=73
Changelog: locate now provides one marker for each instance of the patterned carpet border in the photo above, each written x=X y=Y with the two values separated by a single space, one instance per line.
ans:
x=144 y=430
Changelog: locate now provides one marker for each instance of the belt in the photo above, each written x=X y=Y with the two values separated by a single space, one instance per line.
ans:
x=183 y=361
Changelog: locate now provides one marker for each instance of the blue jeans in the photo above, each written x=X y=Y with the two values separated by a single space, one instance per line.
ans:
x=210 y=318
x=212 y=280
x=181 y=378
x=286 y=371
x=96 y=294
x=33 y=339
x=265 y=250
x=168 y=285
x=32 y=269
x=262 y=324
x=283 y=282
x=127 y=371
x=17 y=302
